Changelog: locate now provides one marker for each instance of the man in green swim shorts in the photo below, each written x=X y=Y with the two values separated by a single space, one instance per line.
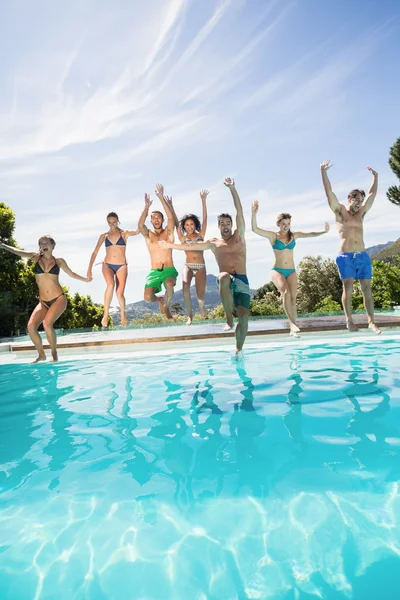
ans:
x=163 y=272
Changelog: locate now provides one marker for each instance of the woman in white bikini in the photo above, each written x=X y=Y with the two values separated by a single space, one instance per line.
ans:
x=52 y=300
x=190 y=230
x=115 y=267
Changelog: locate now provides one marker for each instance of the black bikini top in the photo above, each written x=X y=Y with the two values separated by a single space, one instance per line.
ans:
x=55 y=269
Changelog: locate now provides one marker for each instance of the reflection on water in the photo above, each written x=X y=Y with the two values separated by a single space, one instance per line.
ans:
x=192 y=477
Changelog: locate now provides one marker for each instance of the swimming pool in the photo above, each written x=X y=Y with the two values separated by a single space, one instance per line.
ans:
x=187 y=476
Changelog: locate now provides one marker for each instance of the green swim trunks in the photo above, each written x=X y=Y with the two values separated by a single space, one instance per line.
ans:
x=156 y=278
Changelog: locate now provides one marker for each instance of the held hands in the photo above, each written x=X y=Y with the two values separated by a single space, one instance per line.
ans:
x=327 y=227
x=204 y=194
x=371 y=170
x=147 y=201
x=325 y=165
x=89 y=276
x=254 y=207
x=230 y=183
x=88 y=279
x=159 y=190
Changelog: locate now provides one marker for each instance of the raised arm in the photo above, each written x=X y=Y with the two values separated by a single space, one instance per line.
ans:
x=203 y=196
x=300 y=234
x=142 y=219
x=166 y=201
x=17 y=251
x=130 y=232
x=241 y=225
x=208 y=245
x=332 y=200
x=369 y=200
x=95 y=252
x=267 y=234
x=61 y=263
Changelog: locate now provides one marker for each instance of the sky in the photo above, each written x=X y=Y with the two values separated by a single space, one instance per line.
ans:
x=100 y=101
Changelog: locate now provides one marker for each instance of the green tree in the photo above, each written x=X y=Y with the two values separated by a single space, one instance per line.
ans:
x=327 y=305
x=393 y=193
x=318 y=278
x=267 y=287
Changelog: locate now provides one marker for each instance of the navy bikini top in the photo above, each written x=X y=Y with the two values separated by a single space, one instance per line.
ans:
x=37 y=269
x=120 y=242
x=279 y=245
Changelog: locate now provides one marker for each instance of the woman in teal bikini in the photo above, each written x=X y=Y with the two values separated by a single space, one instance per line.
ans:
x=52 y=300
x=115 y=267
x=284 y=274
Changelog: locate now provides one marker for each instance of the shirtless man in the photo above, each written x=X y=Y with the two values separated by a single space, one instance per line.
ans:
x=353 y=262
x=230 y=254
x=162 y=271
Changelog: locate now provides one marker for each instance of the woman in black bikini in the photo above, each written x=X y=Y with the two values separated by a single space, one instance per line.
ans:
x=190 y=230
x=115 y=267
x=52 y=300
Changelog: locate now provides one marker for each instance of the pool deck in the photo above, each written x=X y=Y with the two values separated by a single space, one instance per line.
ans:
x=269 y=329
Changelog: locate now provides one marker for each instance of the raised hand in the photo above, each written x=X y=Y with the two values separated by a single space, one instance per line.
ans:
x=160 y=190
x=204 y=194
x=229 y=182
x=327 y=227
x=325 y=165
x=255 y=206
x=147 y=201
x=168 y=200
x=374 y=173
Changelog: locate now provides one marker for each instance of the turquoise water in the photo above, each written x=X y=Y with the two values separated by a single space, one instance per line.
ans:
x=188 y=477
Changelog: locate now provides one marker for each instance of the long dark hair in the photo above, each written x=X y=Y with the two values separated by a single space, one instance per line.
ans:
x=280 y=218
x=187 y=217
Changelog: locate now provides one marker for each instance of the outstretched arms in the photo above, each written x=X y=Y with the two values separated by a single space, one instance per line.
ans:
x=100 y=241
x=369 y=200
x=166 y=202
x=17 y=251
x=61 y=263
x=332 y=200
x=142 y=219
x=268 y=234
x=203 y=196
x=196 y=246
x=300 y=234
x=241 y=225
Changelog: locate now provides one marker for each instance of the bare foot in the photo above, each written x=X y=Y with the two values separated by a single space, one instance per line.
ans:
x=203 y=313
x=228 y=325
x=39 y=359
x=374 y=328
x=54 y=357
x=293 y=327
x=189 y=321
x=104 y=321
x=167 y=313
x=294 y=333
x=351 y=326
x=124 y=321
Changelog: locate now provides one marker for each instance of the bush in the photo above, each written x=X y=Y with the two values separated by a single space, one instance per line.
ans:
x=328 y=304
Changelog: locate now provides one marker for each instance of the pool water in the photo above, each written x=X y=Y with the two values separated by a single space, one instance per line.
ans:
x=187 y=476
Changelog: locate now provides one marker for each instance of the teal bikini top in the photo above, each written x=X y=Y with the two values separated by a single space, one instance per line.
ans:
x=279 y=245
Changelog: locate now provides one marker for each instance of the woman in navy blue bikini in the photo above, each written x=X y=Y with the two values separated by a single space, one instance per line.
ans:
x=115 y=267
x=52 y=300
x=284 y=274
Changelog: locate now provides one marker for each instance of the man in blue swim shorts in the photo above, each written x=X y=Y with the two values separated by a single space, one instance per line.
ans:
x=352 y=261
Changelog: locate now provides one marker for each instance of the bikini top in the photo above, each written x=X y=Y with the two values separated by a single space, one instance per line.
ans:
x=279 y=245
x=120 y=242
x=38 y=270
x=198 y=239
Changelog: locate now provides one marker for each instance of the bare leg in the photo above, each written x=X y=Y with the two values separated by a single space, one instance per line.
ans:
x=121 y=276
x=55 y=311
x=150 y=296
x=186 y=281
x=346 y=302
x=241 y=327
x=35 y=320
x=226 y=298
x=169 y=292
x=200 y=279
x=369 y=304
x=292 y=285
x=108 y=275
x=282 y=284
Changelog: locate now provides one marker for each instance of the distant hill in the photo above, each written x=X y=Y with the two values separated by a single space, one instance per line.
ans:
x=375 y=249
x=136 y=310
x=388 y=252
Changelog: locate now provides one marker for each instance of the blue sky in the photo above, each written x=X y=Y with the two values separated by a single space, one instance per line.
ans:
x=99 y=101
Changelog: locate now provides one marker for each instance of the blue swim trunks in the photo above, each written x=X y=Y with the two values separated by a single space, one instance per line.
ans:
x=354 y=265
